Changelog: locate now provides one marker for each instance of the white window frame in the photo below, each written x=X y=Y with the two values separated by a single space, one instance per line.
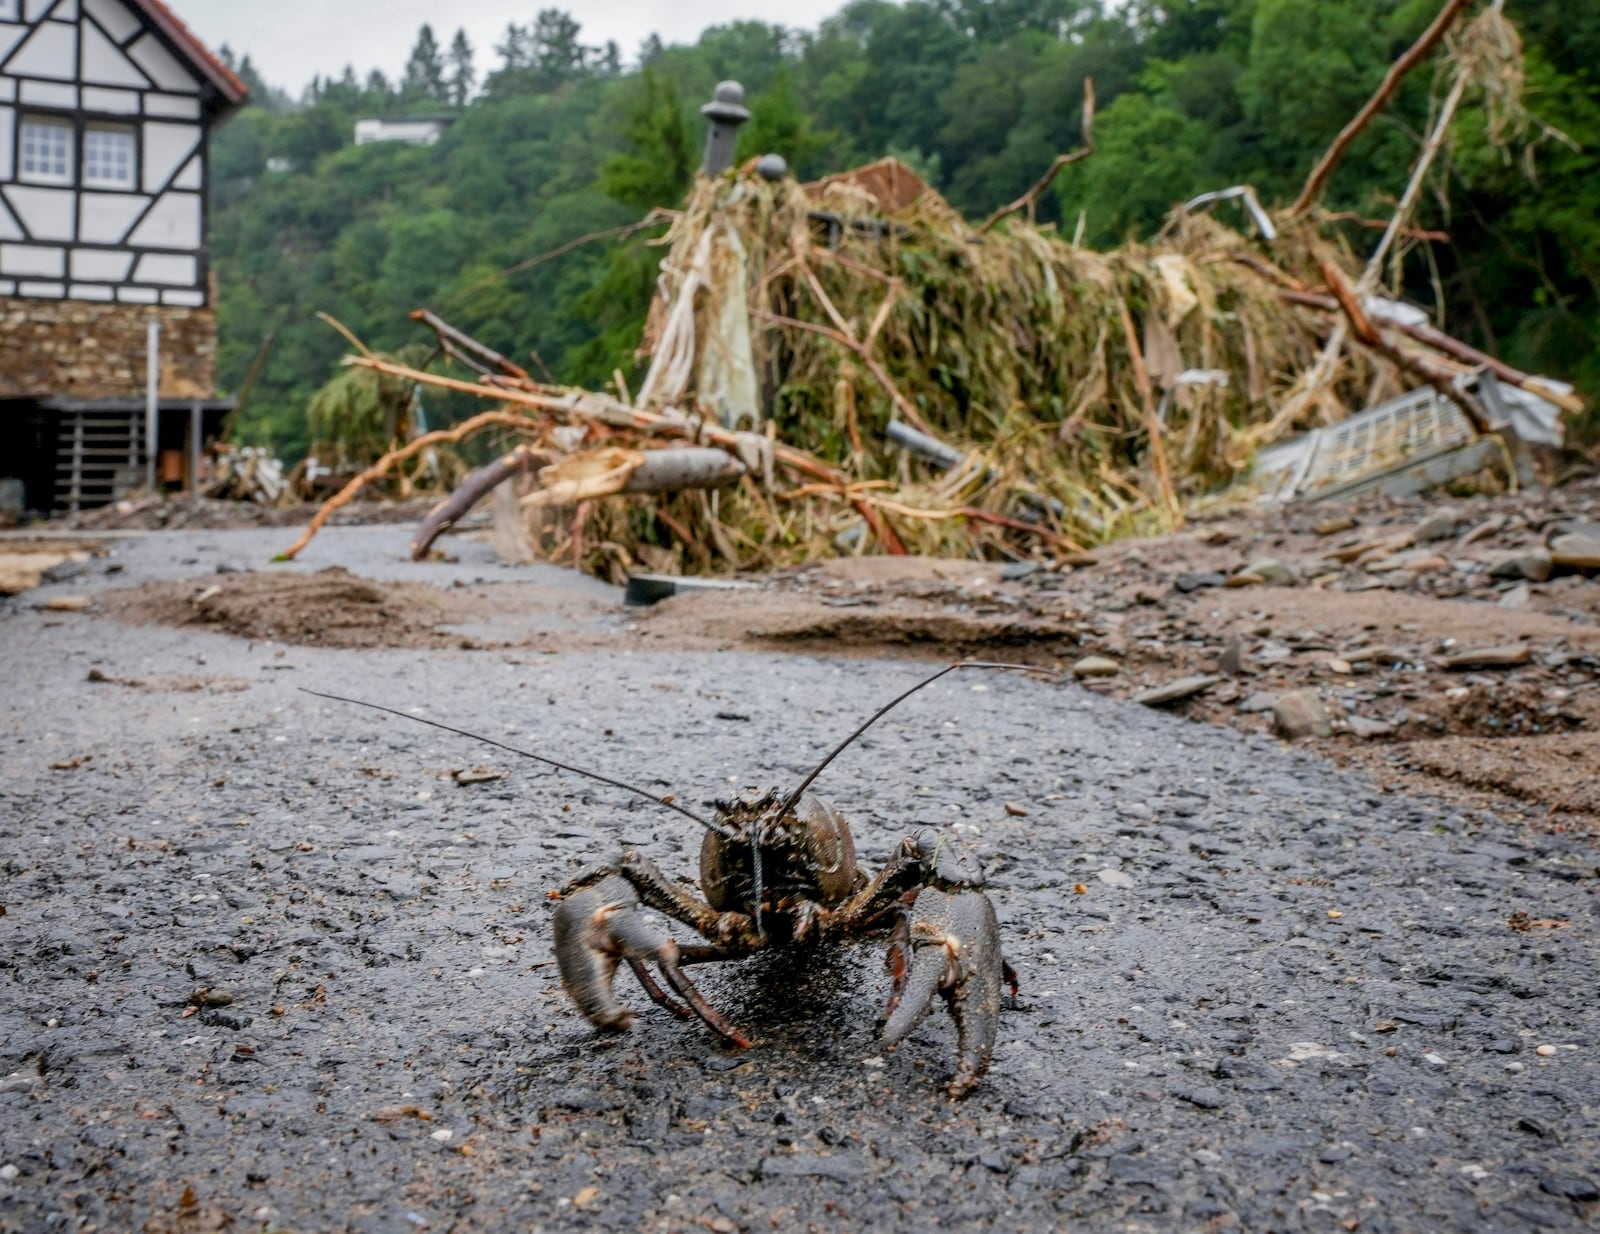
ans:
x=46 y=177
x=131 y=180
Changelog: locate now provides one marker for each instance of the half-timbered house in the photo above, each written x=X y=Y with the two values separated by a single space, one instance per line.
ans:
x=105 y=111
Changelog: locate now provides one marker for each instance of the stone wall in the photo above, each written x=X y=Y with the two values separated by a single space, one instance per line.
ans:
x=80 y=349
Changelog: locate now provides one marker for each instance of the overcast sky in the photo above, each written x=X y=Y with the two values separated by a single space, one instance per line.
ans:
x=292 y=41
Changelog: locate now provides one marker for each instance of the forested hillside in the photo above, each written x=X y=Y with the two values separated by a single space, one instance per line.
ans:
x=556 y=139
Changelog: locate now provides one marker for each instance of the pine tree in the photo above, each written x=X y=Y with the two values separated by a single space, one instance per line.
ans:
x=463 y=74
x=558 y=57
x=424 y=75
x=660 y=162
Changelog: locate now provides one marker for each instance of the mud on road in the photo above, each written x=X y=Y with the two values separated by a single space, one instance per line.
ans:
x=266 y=962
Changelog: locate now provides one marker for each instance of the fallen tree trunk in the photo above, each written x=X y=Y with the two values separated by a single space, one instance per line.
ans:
x=474 y=487
x=671 y=471
x=613 y=471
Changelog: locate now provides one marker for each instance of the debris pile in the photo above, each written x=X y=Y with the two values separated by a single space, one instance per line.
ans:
x=886 y=376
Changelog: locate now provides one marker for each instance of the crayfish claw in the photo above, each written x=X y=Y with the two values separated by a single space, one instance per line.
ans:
x=954 y=942
x=599 y=926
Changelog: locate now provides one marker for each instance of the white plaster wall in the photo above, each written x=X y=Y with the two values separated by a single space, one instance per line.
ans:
x=31 y=259
x=161 y=66
x=109 y=265
x=50 y=94
x=46 y=213
x=105 y=65
x=166 y=147
x=106 y=217
x=50 y=51
x=114 y=15
x=173 y=223
x=184 y=108
x=167 y=269
x=39 y=223
x=119 y=102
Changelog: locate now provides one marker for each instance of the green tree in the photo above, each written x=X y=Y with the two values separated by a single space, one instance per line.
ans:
x=780 y=125
x=424 y=75
x=463 y=74
x=658 y=163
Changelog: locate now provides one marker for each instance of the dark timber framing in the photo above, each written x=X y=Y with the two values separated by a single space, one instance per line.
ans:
x=215 y=92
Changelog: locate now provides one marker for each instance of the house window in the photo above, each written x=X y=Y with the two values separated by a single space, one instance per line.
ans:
x=8 y=10
x=108 y=157
x=46 y=151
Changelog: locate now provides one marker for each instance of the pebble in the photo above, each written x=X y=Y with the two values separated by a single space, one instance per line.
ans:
x=1258 y=702
x=1366 y=729
x=444 y=1135
x=1115 y=878
x=1545 y=1051
x=1571 y=1187
x=1440 y=525
x=1300 y=713
x=1433 y=1060
x=67 y=604
x=1532 y=564
x=8 y=1173
x=1016 y=809
x=1096 y=666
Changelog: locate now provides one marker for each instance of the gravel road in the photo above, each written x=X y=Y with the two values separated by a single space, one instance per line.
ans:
x=265 y=964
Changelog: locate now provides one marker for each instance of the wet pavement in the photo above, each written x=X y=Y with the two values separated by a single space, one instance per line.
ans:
x=265 y=963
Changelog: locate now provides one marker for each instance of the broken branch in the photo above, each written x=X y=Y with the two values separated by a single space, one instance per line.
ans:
x=1158 y=449
x=1028 y=199
x=1318 y=179
x=382 y=467
x=474 y=486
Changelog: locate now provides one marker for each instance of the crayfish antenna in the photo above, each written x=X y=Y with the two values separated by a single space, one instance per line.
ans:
x=538 y=758
x=792 y=798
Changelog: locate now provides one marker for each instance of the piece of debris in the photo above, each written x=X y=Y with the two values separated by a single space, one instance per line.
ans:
x=1096 y=666
x=478 y=775
x=1489 y=657
x=1576 y=551
x=1177 y=691
x=1272 y=572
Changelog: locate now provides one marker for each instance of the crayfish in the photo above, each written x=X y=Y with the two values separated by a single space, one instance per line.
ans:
x=780 y=871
